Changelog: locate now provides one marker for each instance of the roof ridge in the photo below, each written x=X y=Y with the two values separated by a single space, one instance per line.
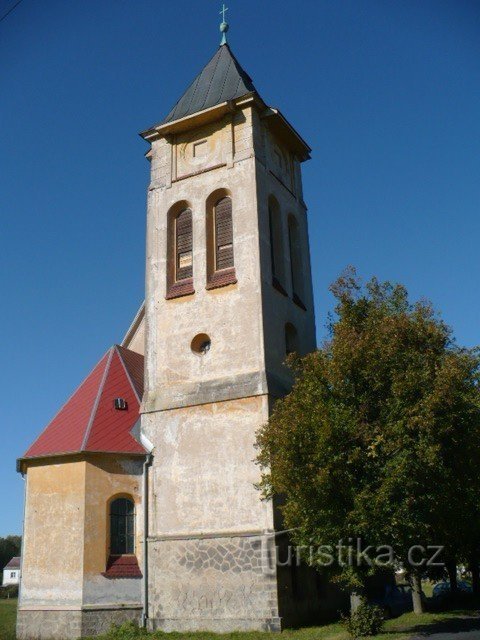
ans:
x=218 y=55
x=97 y=400
x=70 y=397
x=241 y=71
x=194 y=82
x=226 y=76
x=117 y=347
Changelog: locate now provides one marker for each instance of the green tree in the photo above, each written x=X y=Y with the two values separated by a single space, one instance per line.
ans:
x=379 y=440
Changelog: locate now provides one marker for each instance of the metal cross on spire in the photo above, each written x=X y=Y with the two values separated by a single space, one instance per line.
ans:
x=223 y=25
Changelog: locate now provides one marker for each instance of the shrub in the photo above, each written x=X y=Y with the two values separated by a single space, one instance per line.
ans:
x=366 y=620
x=126 y=631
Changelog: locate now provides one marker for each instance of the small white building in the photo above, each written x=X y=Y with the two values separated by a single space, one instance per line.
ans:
x=11 y=572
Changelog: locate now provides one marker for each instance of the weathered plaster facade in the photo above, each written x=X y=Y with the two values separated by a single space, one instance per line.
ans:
x=210 y=564
x=65 y=546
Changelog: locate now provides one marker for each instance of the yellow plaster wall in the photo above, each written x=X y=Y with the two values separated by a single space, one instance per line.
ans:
x=53 y=534
x=201 y=148
x=105 y=478
x=66 y=531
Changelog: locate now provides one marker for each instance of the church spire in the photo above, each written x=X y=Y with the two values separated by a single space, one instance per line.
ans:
x=221 y=80
x=223 y=25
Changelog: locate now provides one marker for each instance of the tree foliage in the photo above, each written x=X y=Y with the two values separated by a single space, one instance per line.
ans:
x=379 y=439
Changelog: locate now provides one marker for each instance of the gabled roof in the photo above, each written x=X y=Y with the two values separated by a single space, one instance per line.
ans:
x=88 y=421
x=13 y=564
x=222 y=79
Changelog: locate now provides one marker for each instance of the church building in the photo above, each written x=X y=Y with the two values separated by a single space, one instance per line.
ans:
x=140 y=497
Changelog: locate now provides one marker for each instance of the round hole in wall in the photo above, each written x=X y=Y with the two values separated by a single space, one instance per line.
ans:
x=201 y=344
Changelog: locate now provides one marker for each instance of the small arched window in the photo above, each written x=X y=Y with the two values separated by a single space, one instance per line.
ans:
x=291 y=339
x=179 y=251
x=122 y=527
x=276 y=245
x=296 y=270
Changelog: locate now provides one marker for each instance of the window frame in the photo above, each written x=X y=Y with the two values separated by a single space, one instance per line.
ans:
x=277 y=249
x=291 y=339
x=130 y=549
x=217 y=247
x=218 y=276
x=177 y=287
x=296 y=261
x=178 y=249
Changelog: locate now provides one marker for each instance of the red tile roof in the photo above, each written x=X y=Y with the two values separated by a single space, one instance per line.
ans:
x=88 y=421
x=13 y=564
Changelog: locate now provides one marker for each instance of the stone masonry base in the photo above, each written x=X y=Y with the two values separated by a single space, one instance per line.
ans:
x=219 y=625
x=213 y=583
x=70 y=625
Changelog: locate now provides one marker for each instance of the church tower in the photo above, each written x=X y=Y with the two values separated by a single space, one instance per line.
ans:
x=228 y=296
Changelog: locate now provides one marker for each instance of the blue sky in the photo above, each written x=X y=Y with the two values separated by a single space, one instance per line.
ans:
x=386 y=93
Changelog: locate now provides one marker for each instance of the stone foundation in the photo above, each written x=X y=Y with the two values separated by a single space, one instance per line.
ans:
x=214 y=584
x=98 y=621
x=70 y=625
x=49 y=625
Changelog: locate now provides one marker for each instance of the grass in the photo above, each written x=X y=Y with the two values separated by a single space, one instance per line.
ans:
x=401 y=628
x=8 y=615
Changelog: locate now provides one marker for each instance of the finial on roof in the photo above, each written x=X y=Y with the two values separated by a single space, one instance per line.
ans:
x=223 y=25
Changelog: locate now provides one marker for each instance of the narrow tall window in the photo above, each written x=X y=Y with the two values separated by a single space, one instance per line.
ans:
x=272 y=240
x=223 y=234
x=122 y=527
x=291 y=339
x=179 y=251
x=296 y=270
x=183 y=245
x=276 y=246
x=220 y=258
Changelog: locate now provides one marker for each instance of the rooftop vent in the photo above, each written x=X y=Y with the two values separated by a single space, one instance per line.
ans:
x=120 y=404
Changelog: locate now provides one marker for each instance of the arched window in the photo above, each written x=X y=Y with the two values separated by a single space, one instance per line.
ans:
x=296 y=270
x=179 y=251
x=276 y=245
x=122 y=527
x=183 y=246
x=291 y=339
x=223 y=234
x=220 y=258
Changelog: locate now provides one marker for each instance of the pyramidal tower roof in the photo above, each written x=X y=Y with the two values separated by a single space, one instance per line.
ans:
x=221 y=80
x=88 y=421
x=220 y=86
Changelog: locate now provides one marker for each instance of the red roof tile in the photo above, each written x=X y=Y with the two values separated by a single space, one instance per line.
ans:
x=88 y=421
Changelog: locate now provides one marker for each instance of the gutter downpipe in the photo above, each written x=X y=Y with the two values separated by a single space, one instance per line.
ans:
x=146 y=465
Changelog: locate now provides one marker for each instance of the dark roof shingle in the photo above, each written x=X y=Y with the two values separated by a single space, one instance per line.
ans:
x=222 y=79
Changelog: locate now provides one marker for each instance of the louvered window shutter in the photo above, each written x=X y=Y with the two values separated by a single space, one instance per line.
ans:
x=184 y=245
x=223 y=234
